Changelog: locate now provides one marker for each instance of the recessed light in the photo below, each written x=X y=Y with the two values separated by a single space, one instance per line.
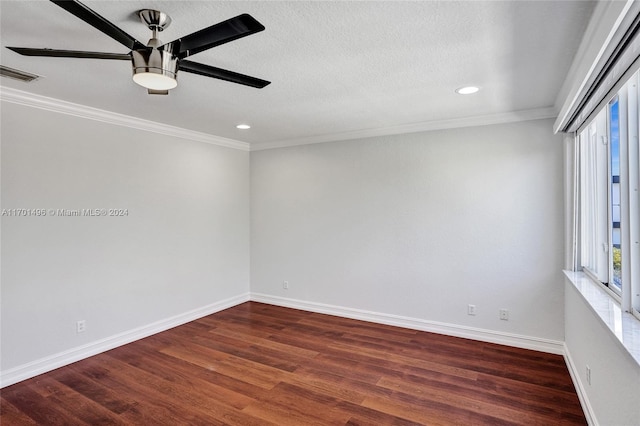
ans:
x=243 y=126
x=467 y=90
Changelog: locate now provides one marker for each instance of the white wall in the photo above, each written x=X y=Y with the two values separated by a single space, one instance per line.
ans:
x=417 y=225
x=614 y=393
x=183 y=246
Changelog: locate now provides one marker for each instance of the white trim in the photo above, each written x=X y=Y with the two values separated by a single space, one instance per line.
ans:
x=20 y=97
x=589 y=413
x=34 y=368
x=483 y=335
x=480 y=120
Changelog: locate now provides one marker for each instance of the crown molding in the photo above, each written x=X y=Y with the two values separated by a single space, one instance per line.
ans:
x=56 y=105
x=426 y=126
x=63 y=107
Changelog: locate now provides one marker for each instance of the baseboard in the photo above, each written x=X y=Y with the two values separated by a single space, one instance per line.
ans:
x=52 y=362
x=580 y=389
x=483 y=335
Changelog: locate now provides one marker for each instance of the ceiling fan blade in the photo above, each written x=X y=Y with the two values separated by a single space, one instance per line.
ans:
x=27 y=51
x=92 y=18
x=157 y=92
x=209 y=71
x=215 y=35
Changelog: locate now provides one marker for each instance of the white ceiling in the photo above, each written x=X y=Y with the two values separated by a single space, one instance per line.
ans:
x=337 y=68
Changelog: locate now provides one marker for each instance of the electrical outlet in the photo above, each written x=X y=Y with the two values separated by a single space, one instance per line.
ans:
x=504 y=314
x=588 y=375
x=285 y=285
x=81 y=326
x=471 y=309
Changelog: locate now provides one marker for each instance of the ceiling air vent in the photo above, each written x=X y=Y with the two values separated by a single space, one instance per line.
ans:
x=17 y=74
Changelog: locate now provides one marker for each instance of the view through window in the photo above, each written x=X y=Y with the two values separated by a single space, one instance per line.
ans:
x=614 y=195
x=608 y=193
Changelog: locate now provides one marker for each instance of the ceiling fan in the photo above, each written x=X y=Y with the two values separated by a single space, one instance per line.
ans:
x=156 y=65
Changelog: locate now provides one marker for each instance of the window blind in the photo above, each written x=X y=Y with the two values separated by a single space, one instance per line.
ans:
x=620 y=59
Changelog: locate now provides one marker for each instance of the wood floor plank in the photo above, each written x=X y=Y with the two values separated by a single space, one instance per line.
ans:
x=116 y=402
x=11 y=415
x=398 y=364
x=172 y=396
x=289 y=404
x=500 y=408
x=265 y=342
x=242 y=349
x=72 y=401
x=362 y=328
x=36 y=406
x=152 y=407
x=259 y=364
x=229 y=383
x=190 y=380
x=532 y=395
x=334 y=385
x=245 y=370
x=432 y=415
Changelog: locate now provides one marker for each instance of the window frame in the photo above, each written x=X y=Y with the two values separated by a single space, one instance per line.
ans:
x=632 y=298
x=595 y=195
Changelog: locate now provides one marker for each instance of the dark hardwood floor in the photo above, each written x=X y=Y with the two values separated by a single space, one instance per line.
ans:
x=257 y=364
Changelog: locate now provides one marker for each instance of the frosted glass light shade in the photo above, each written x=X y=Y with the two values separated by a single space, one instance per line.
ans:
x=155 y=81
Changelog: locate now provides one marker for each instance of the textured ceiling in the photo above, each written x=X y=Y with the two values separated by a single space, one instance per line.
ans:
x=336 y=67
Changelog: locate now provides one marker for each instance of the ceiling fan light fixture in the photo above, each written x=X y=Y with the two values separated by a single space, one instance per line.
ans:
x=155 y=69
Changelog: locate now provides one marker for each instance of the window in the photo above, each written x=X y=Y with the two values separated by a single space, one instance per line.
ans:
x=608 y=185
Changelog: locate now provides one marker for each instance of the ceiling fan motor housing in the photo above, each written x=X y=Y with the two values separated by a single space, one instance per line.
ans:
x=153 y=63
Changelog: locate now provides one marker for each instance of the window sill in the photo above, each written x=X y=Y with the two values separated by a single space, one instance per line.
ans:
x=624 y=326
